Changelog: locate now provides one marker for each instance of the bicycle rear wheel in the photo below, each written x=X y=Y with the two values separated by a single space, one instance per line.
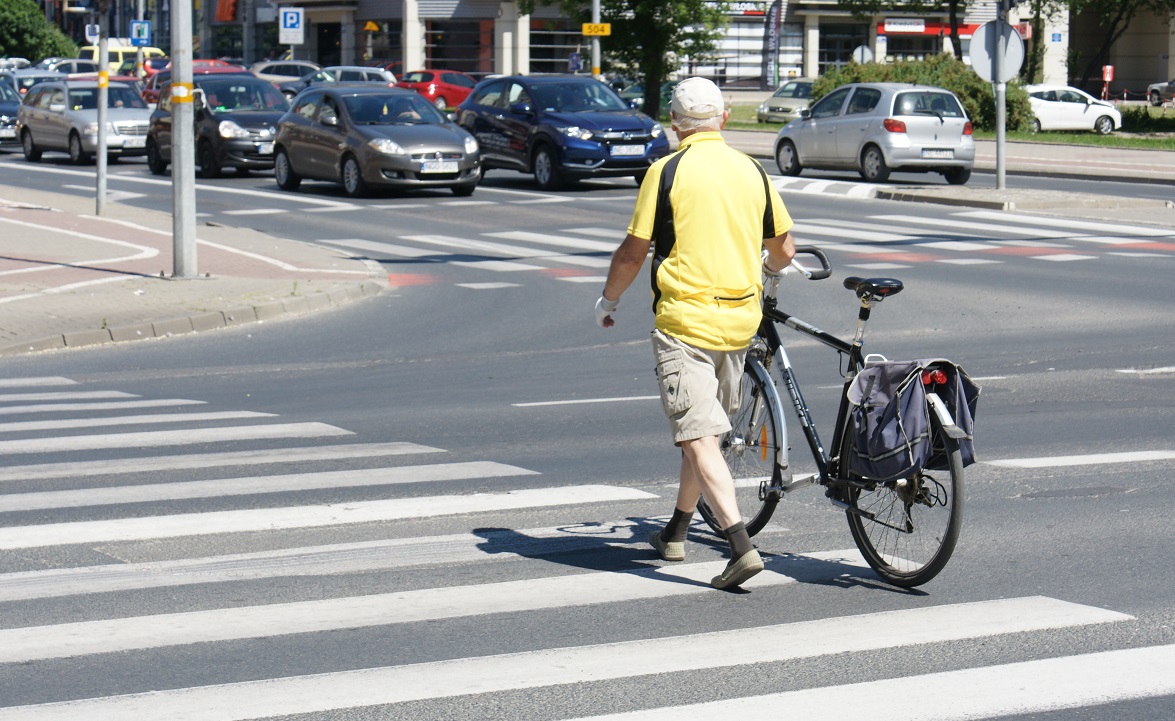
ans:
x=912 y=524
x=750 y=449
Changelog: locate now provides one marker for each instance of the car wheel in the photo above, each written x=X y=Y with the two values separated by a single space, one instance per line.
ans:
x=154 y=159
x=957 y=176
x=788 y=159
x=546 y=169
x=441 y=103
x=77 y=155
x=1156 y=99
x=463 y=191
x=284 y=173
x=206 y=160
x=31 y=152
x=1035 y=126
x=353 y=181
x=873 y=165
x=1104 y=125
x=640 y=177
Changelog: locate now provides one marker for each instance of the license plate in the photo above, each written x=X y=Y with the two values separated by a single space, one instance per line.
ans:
x=628 y=150
x=7 y=132
x=438 y=166
x=134 y=142
x=938 y=154
x=265 y=148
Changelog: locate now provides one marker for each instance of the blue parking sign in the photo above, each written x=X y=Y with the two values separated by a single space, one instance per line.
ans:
x=291 y=29
x=140 y=33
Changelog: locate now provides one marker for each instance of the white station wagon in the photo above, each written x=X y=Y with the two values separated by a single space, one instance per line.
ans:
x=64 y=116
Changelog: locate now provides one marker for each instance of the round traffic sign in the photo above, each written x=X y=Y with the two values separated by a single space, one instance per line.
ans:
x=983 y=51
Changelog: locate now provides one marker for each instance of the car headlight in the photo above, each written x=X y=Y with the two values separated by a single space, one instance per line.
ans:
x=92 y=129
x=577 y=132
x=656 y=130
x=387 y=146
x=229 y=129
x=471 y=145
x=763 y=108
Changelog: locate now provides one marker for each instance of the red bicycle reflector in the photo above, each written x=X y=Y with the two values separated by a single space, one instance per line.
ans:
x=895 y=126
x=931 y=377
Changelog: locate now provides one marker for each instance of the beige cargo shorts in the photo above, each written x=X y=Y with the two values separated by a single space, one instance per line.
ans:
x=699 y=387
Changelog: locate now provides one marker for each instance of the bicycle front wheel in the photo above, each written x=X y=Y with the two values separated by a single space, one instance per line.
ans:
x=907 y=529
x=750 y=450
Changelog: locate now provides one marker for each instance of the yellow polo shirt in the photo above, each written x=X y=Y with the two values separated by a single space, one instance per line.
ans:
x=711 y=281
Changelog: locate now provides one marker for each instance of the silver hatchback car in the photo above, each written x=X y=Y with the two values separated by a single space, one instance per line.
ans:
x=63 y=116
x=876 y=128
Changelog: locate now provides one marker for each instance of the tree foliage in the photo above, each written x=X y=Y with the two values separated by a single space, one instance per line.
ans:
x=1114 y=18
x=649 y=36
x=943 y=71
x=955 y=8
x=24 y=33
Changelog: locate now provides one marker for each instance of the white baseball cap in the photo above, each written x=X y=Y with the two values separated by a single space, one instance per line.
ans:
x=697 y=98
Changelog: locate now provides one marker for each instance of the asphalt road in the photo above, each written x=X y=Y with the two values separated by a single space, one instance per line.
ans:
x=463 y=601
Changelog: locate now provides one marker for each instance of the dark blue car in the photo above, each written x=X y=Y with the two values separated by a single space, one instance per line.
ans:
x=9 y=104
x=562 y=128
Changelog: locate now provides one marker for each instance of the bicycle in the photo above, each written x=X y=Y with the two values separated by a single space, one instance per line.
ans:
x=906 y=529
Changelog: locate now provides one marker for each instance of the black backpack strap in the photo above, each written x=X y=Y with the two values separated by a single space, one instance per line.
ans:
x=664 y=236
x=768 y=211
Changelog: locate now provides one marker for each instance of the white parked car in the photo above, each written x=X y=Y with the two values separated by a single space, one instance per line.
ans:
x=1060 y=107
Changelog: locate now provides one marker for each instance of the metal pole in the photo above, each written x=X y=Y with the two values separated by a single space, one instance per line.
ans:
x=183 y=177
x=139 y=51
x=103 y=95
x=595 y=40
x=1000 y=92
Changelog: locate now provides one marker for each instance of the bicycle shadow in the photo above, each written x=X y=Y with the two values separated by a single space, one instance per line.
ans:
x=622 y=547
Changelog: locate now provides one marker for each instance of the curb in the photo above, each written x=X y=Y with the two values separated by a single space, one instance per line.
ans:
x=295 y=305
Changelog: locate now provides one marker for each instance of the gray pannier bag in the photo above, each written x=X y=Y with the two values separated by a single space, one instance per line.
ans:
x=889 y=417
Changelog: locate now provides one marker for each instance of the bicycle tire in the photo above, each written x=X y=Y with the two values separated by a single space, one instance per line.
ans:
x=750 y=449
x=909 y=558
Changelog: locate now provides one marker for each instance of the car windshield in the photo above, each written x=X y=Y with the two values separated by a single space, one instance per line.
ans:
x=923 y=102
x=117 y=96
x=794 y=90
x=392 y=110
x=7 y=94
x=234 y=95
x=577 y=97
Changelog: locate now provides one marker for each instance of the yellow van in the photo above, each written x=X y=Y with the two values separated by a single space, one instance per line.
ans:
x=119 y=53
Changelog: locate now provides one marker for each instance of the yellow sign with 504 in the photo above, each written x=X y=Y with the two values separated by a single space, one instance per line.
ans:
x=597 y=29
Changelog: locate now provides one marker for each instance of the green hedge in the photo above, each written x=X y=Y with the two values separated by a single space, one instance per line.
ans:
x=943 y=71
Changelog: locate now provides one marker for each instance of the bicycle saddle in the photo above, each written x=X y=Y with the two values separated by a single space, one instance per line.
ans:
x=874 y=288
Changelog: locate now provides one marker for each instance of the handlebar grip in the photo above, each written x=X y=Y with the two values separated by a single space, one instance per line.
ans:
x=825 y=267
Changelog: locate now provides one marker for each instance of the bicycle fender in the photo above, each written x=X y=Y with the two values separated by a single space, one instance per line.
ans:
x=944 y=416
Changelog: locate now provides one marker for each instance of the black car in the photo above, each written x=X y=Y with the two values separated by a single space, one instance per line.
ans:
x=562 y=128
x=236 y=116
x=9 y=104
x=373 y=137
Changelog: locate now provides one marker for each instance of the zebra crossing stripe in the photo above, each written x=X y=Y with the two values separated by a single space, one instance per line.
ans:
x=149 y=439
x=538 y=669
x=31 y=643
x=36 y=382
x=402 y=251
x=96 y=406
x=210 y=460
x=560 y=241
x=1117 y=229
x=18 y=426
x=225 y=487
x=1028 y=687
x=517 y=251
x=62 y=396
x=335 y=514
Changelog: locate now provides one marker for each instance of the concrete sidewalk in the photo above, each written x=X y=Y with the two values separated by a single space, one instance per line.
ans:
x=69 y=278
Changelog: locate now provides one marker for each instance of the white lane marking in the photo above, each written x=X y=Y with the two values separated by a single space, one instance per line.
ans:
x=114 y=196
x=578 y=401
x=1030 y=244
x=335 y=514
x=141 y=252
x=1146 y=371
x=614 y=234
x=806 y=228
x=30 y=643
x=487 y=286
x=953 y=224
x=916 y=232
x=1064 y=257
x=18 y=426
x=517 y=251
x=538 y=669
x=374 y=246
x=1028 y=687
x=968 y=261
x=210 y=460
x=37 y=382
x=97 y=406
x=583 y=278
x=559 y=241
x=257 y=211
x=507 y=191
x=148 y=439
x=62 y=396
x=1085 y=460
x=227 y=487
x=1116 y=228
x=877 y=266
x=955 y=245
x=498 y=266
x=1138 y=255
x=482 y=547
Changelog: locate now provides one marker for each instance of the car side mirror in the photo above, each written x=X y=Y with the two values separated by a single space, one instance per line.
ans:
x=805 y=114
x=57 y=107
x=521 y=108
x=634 y=104
x=198 y=98
x=331 y=121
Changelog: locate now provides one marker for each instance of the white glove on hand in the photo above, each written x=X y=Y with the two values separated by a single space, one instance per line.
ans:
x=604 y=310
x=773 y=273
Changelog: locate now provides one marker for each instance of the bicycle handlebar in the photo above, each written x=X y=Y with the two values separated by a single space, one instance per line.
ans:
x=825 y=270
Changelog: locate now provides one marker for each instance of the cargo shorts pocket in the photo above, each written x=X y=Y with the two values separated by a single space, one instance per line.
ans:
x=671 y=377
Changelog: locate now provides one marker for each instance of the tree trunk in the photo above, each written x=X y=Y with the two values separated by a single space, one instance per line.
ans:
x=1116 y=27
x=956 y=43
